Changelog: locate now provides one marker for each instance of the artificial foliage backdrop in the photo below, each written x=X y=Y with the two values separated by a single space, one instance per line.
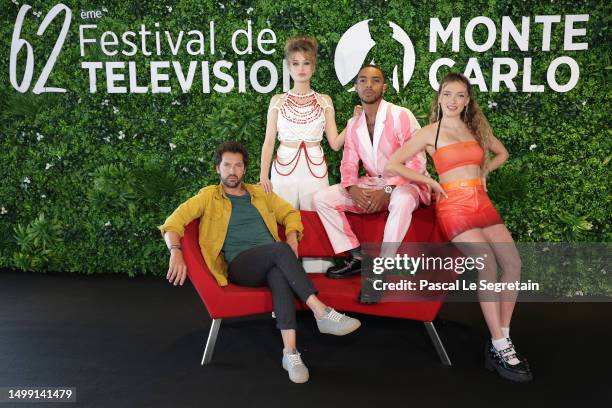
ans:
x=87 y=177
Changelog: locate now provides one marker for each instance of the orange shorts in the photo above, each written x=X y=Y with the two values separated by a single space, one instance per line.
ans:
x=468 y=206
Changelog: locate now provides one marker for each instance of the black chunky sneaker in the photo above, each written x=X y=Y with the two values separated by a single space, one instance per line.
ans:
x=520 y=357
x=498 y=361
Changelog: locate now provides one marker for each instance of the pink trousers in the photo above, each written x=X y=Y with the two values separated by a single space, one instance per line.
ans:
x=332 y=203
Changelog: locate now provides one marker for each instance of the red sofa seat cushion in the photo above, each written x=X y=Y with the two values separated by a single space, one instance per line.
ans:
x=233 y=300
x=367 y=228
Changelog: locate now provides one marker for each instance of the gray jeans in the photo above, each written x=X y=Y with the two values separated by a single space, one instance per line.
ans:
x=275 y=266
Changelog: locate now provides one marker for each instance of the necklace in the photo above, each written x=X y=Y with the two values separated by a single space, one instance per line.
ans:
x=301 y=109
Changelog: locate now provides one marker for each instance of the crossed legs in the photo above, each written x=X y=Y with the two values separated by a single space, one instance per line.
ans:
x=276 y=266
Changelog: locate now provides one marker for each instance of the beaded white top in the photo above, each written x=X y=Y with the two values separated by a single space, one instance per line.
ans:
x=301 y=117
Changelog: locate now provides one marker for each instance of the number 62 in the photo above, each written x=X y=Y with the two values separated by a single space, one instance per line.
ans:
x=18 y=43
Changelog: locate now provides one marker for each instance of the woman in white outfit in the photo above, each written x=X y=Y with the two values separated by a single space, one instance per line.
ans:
x=299 y=118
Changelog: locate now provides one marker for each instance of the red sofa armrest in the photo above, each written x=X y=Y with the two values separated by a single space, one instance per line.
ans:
x=221 y=302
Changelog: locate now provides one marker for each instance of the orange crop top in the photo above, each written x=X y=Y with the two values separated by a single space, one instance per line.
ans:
x=456 y=155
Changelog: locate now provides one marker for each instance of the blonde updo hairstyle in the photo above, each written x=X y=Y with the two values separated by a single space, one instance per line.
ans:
x=304 y=44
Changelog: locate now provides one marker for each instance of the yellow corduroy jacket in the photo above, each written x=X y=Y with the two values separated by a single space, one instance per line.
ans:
x=213 y=208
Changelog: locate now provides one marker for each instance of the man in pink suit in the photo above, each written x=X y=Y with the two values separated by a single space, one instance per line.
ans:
x=372 y=138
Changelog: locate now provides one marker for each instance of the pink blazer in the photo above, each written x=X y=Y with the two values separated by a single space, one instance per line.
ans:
x=394 y=126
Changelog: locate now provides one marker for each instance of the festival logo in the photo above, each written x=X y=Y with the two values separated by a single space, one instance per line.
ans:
x=355 y=45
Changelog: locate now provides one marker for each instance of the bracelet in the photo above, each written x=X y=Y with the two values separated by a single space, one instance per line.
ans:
x=175 y=246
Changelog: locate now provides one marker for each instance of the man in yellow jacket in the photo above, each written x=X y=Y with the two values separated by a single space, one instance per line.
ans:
x=239 y=241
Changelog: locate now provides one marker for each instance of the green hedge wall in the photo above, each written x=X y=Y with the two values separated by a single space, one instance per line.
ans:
x=86 y=178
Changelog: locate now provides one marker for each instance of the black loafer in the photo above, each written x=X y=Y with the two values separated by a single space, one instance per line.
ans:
x=498 y=361
x=346 y=269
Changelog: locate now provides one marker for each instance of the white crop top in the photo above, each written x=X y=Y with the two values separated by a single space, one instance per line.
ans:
x=301 y=117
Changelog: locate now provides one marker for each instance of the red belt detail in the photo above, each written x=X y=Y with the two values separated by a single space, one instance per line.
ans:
x=296 y=159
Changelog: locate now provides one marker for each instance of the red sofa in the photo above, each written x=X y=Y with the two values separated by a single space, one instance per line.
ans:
x=234 y=301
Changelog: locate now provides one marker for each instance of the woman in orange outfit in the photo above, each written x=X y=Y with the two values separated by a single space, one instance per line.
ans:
x=457 y=139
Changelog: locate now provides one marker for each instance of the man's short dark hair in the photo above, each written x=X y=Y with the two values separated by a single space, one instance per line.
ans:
x=231 y=147
x=370 y=66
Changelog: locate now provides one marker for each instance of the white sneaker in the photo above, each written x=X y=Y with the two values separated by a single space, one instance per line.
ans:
x=336 y=323
x=292 y=362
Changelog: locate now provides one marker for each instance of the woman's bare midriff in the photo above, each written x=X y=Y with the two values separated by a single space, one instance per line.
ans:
x=468 y=172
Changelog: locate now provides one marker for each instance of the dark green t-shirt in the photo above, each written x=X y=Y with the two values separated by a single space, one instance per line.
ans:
x=246 y=228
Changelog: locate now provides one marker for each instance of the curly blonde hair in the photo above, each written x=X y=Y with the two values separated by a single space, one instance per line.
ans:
x=304 y=44
x=471 y=115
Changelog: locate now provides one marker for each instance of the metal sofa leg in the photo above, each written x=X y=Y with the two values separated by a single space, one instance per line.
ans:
x=433 y=335
x=210 y=343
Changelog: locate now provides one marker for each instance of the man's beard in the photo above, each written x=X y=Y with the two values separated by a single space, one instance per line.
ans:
x=373 y=100
x=231 y=183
